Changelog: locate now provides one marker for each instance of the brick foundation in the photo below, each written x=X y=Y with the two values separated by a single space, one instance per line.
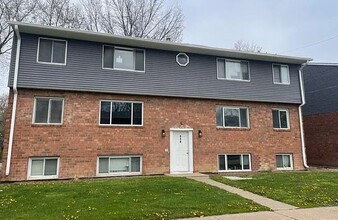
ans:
x=80 y=139
x=321 y=139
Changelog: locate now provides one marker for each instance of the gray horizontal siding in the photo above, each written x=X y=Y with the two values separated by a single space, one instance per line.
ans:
x=321 y=89
x=163 y=76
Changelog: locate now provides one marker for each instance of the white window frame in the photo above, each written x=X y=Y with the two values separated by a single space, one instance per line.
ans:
x=273 y=74
x=239 y=109
x=234 y=61
x=51 y=61
x=226 y=163
x=118 y=173
x=285 y=168
x=49 y=106
x=182 y=54
x=287 y=118
x=132 y=118
x=41 y=177
x=124 y=48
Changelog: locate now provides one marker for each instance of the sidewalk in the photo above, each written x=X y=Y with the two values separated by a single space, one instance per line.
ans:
x=322 y=213
x=280 y=211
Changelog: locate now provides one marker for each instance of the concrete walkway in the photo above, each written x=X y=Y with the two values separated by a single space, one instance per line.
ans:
x=272 y=204
x=323 y=213
x=281 y=211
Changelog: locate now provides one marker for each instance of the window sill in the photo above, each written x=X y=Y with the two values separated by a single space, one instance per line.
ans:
x=235 y=80
x=42 y=177
x=118 y=174
x=282 y=129
x=46 y=125
x=233 y=171
x=233 y=128
x=126 y=70
x=120 y=126
x=285 y=169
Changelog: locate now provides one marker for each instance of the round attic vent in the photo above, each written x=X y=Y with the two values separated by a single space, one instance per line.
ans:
x=182 y=59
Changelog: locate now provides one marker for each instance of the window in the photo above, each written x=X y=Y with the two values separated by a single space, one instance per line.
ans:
x=233 y=70
x=281 y=74
x=48 y=111
x=280 y=118
x=229 y=162
x=43 y=168
x=119 y=165
x=182 y=59
x=52 y=51
x=121 y=113
x=123 y=58
x=232 y=117
x=284 y=161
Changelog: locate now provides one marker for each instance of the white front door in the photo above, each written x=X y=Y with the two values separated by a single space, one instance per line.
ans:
x=179 y=152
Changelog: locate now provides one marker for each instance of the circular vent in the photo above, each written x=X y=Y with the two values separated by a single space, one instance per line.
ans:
x=182 y=59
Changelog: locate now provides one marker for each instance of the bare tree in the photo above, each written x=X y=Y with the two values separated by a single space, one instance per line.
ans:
x=3 y=110
x=136 y=18
x=61 y=13
x=12 y=10
x=247 y=47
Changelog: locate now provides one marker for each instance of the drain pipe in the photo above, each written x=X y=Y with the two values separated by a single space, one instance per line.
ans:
x=15 y=99
x=301 y=83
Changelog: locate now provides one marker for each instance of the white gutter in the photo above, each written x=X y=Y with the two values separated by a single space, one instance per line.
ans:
x=301 y=83
x=15 y=99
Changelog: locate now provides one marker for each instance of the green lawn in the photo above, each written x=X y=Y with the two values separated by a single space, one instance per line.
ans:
x=301 y=189
x=124 y=198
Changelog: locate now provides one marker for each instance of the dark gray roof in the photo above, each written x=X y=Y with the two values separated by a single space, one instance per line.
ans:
x=321 y=88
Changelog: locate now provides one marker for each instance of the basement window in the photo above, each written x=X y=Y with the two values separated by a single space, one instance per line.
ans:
x=284 y=162
x=43 y=168
x=234 y=162
x=119 y=165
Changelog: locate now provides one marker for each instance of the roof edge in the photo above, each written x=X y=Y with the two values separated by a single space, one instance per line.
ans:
x=153 y=44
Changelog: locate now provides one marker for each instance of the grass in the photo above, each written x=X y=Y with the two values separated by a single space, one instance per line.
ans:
x=301 y=189
x=125 y=198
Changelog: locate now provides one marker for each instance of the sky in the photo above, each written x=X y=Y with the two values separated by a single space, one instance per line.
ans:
x=305 y=28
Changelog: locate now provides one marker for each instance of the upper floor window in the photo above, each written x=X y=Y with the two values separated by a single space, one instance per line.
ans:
x=233 y=70
x=123 y=58
x=280 y=118
x=232 y=117
x=52 y=51
x=281 y=74
x=48 y=111
x=121 y=113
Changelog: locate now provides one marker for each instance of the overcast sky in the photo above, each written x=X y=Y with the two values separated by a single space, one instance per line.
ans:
x=305 y=28
x=277 y=26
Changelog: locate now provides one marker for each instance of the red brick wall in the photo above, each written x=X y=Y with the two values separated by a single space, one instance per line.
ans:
x=321 y=139
x=80 y=139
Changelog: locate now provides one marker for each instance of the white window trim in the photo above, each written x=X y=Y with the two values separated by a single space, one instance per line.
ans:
x=124 y=48
x=235 y=61
x=49 y=105
x=287 y=118
x=51 y=62
x=226 y=163
x=237 y=108
x=29 y=177
x=285 y=168
x=121 y=125
x=184 y=54
x=273 y=74
x=118 y=173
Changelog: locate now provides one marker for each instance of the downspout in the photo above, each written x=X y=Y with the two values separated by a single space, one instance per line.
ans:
x=15 y=99
x=301 y=83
